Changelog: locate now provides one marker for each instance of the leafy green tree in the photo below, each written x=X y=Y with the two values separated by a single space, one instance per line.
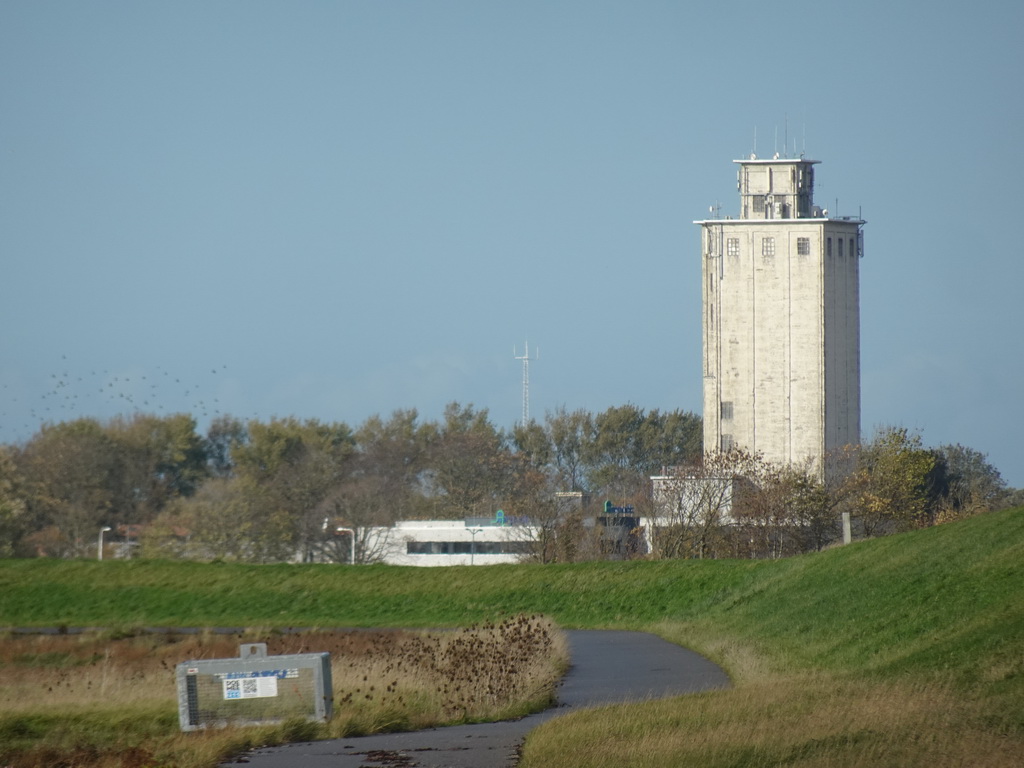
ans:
x=229 y=519
x=568 y=434
x=471 y=468
x=532 y=442
x=83 y=475
x=548 y=488
x=384 y=483
x=616 y=450
x=627 y=446
x=396 y=454
x=160 y=458
x=283 y=443
x=785 y=509
x=969 y=483
x=679 y=439
x=224 y=433
x=815 y=504
x=762 y=515
x=288 y=469
x=1014 y=498
x=71 y=472
x=13 y=509
x=892 y=483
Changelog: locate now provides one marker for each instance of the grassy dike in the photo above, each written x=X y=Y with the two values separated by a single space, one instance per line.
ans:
x=907 y=650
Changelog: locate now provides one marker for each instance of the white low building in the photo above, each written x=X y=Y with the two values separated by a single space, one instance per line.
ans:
x=451 y=542
x=680 y=499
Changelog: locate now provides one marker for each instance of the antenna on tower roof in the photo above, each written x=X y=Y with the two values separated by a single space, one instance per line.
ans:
x=525 y=357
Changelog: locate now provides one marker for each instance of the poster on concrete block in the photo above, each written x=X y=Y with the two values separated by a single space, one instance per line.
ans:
x=250 y=687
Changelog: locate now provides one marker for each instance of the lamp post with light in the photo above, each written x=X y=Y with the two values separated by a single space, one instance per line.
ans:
x=352 y=540
x=472 y=547
x=99 y=547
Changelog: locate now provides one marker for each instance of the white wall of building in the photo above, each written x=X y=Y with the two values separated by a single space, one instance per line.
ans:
x=451 y=542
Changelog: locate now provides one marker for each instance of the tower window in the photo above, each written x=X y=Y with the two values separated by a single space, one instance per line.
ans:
x=732 y=246
x=758 y=203
x=840 y=244
x=828 y=247
x=768 y=246
x=853 y=248
x=803 y=246
x=726 y=410
x=726 y=443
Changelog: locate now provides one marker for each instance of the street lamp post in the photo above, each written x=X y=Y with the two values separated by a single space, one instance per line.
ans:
x=472 y=547
x=99 y=547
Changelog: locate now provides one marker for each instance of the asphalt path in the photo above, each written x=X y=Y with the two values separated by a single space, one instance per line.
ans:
x=608 y=667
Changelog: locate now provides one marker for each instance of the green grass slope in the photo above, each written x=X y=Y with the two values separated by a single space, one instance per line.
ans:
x=903 y=652
x=947 y=598
x=941 y=609
x=938 y=599
x=52 y=592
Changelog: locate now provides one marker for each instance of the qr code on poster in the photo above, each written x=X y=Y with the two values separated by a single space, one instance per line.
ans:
x=249 y=688
x=232 y=689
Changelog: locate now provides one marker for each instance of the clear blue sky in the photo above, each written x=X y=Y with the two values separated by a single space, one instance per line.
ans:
x=336 y=209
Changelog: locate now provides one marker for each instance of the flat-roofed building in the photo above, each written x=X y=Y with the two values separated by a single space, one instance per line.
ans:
x=453 y=542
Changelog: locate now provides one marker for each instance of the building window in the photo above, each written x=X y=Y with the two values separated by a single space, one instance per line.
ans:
x=467 y=547
x=726 y=410
x=758 y=203
x=840 y=244
x=732 y=246
x=803 y=246
x=828 y=247
x=853 y=248
x=726 y=443
x=768 y=246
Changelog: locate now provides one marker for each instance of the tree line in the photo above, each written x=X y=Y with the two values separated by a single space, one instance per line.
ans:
x=266 y=491
x=263 y=491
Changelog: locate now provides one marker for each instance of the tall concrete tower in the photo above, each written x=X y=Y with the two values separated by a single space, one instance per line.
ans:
x=781 y=319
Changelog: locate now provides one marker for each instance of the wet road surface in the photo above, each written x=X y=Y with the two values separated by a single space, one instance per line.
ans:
x=607 y=667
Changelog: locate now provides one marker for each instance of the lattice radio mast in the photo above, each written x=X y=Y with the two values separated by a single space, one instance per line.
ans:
x=525 y=357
